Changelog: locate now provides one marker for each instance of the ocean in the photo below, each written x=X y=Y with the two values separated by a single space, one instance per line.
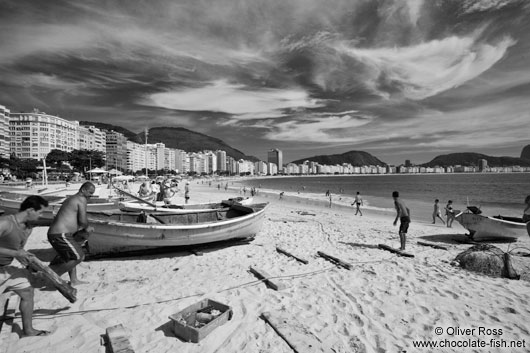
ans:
x=493 y=193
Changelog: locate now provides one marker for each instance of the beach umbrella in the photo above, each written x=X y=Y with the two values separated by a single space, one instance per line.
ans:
x=97 y=171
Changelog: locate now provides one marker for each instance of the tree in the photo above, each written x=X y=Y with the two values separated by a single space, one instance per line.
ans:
x=56 y=158
x=83 y=160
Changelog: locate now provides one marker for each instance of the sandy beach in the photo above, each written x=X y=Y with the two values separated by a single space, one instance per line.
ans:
x=384 y=303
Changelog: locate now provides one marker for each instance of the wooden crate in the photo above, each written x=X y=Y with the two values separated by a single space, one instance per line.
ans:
x=184 y=320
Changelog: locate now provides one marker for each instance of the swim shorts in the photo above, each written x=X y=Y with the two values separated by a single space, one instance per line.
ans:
x=404 y=226
x=13 y=278
x=65 y=245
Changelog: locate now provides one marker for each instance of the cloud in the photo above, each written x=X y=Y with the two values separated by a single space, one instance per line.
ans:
x=236 y=99
x=426 y=69
x=321 y=131
x=471 y=6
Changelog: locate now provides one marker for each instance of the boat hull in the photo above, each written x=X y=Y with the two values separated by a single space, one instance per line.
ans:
x=116 y=237
x=129 y=206
x=483 y=227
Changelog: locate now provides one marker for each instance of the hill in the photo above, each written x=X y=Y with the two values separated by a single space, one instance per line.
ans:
x=355 y=158
x=472 y=159
x=176 y=137
x=525 y=153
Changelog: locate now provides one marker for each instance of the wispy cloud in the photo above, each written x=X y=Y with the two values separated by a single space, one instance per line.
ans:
x=235 y=99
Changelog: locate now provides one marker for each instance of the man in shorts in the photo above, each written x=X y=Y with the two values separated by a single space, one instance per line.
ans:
x=68 y=230
x=403 y=214
x=14 y=233
x=358 y=203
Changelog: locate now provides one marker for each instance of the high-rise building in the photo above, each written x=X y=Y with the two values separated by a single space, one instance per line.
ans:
x=4 y=132
x=483 y=165
x=221 y=160
x=91 y=138
x=276 y=156
x=34 y=135
x=116 y=149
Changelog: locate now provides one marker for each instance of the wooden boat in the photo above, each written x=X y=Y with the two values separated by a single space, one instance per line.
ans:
x=10 y=201
x=116 y=232
x=160 y=206
x=498 y=227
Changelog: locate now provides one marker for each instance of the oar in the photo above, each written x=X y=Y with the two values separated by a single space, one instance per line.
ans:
x=137 y=198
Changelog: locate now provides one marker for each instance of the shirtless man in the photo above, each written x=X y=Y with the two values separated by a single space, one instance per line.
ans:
x=71 y=221
x=403 y=214
x=14 y=233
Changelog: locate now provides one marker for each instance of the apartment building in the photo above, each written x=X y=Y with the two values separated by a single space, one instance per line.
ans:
x=91 y=138
x=34 y=135
x=116 y=149
x=4 y=132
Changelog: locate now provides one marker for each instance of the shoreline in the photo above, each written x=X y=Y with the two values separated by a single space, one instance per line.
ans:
x=383 y=303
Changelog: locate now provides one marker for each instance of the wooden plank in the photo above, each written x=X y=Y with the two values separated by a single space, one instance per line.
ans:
x=117 y=340
x=266 y=317
x=395 y=251
x=335 y=260
x=432 y=245
x=297 y=336
x=7 y=326
x=62 y=286
x=285 y=252
x=266 y=278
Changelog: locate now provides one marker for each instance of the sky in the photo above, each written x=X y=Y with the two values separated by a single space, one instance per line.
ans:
x=399 y=79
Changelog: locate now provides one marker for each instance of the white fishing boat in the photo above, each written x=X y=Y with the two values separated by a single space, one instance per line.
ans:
x=118 y=232
x=160 y=206
x=497 y=227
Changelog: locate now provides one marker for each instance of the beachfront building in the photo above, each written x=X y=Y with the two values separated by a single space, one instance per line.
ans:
x=276 y=156
x=182 y=161
x=221 y=160
x=136 y=159
x=4 y=132
x=245 y=167
x=211 y=158
x=260 y=168
x=116 y=150
x=91 y=138
x=272 y=169
x=34 y=135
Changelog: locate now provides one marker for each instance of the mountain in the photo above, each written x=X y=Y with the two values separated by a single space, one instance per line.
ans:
x=355 y=158
x=472 y=159
x=176 y=137
x=525 y=153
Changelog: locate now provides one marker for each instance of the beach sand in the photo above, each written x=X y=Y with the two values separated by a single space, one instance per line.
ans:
x=384 y=303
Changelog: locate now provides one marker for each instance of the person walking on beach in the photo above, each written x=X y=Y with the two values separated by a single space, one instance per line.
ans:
x=449 y=213
x=68 y=230
x=14 y=232
x=358 y=203
x=187 y=192
x=437 y=212
x=526 y=212
x=403 y=214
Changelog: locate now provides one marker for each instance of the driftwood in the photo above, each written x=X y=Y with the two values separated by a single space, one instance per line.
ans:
x=62 y=286
x=266 y=278
x=335 y=260
x=395 y=251
x=266 y=317
x=117 y=340
x=432 y=245
x=285 y=252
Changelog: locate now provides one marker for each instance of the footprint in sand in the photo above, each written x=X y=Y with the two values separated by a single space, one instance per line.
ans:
x=424 y=310
x=510 y=310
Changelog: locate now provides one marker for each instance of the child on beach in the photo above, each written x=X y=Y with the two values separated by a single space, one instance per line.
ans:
x=403 y=214
x=437 y=212
x=449 y=213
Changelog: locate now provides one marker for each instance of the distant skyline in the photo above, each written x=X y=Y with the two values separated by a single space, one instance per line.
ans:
x=399 y=79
